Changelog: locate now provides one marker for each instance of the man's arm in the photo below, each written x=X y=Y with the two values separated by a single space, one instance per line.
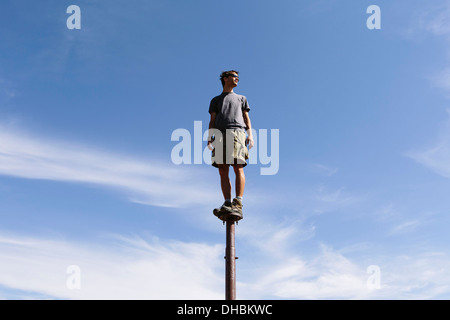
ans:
x=248 y=124
x=212 y=121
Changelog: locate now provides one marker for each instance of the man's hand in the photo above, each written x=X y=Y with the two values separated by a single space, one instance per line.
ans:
x=210 y=147
x=249 y=142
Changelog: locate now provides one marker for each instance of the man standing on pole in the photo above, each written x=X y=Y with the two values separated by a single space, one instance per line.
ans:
x=228 y=142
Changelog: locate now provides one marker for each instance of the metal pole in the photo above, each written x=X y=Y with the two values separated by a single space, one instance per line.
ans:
x=230 y=263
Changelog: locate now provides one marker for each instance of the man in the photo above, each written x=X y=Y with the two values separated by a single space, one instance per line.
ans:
x=227 y=140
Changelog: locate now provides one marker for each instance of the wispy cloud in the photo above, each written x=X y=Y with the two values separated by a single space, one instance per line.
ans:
x=152 y=181
x=328 y=275
x=324 y=169
x=133 y=267
x=130 y=268
x=401 y=219
x=436 y=157
x=7 y=90
x=435 y=20
x=406 y=226
x=422 y=275
x=285 y=260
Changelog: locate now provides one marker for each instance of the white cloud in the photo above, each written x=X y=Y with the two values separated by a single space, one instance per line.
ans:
x=422 y=275
x=437 y=20
x=442 y=79
x=436 y=157
x=132 y=268
x=328 y=199
x=323 y=169
x=6 y=90
x=281 y=261
x=401 y=219
x=329 y=275
x=136 y=268
x=332 y=275
x=149 y=182
x=406 y=226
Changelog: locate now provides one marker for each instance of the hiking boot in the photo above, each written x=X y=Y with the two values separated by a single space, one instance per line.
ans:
x=236 y=208
x=224 y=209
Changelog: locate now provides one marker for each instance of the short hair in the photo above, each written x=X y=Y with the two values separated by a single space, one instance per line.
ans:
x=227 y=74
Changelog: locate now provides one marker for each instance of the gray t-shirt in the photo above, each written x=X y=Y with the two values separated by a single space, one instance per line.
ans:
x=229 y=108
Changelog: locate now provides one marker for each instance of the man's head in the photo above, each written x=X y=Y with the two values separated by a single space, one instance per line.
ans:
x=229 y=78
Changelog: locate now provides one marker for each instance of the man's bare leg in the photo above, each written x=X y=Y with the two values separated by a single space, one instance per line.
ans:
x=240 y=179
x=225 y=182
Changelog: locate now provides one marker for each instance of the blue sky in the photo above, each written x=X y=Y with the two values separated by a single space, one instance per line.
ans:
x=87 y=179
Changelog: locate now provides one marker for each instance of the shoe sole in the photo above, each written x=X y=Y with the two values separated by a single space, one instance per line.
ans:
x=232 y=216
x=218 y=212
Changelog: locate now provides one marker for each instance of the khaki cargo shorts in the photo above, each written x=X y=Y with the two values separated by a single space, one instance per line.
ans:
x=229 y=148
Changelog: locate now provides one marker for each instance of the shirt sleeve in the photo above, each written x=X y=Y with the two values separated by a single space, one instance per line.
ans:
x=213 y=106
x=245 y=106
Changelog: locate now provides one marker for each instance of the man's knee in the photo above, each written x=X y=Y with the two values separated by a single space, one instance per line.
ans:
x=223 y=170
x=238 y=169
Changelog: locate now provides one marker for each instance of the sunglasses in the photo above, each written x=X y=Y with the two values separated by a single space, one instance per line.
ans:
x=234 y=76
